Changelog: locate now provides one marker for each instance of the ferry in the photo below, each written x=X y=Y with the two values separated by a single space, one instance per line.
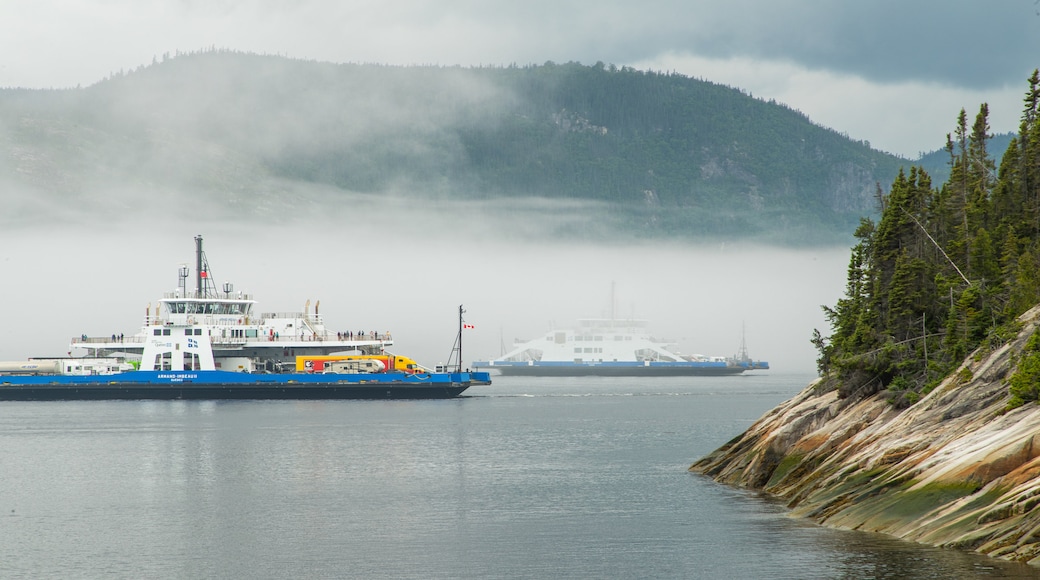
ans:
x=214 y=344
x=614 y=347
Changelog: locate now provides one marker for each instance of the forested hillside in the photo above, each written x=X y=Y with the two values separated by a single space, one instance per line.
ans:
x=945 y=271
x=644 y=154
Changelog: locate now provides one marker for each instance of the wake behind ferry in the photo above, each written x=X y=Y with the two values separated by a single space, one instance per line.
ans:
x=210 y=344
x=613 y=347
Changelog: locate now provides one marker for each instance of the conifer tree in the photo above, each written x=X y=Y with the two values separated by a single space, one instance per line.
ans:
x=944 y=271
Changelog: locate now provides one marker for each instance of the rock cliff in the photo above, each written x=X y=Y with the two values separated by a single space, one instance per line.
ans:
x=957 y=469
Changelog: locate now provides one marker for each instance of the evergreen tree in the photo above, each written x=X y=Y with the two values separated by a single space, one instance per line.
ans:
x=944 y=271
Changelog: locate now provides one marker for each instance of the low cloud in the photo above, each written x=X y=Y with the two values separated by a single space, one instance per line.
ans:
x=99 y=280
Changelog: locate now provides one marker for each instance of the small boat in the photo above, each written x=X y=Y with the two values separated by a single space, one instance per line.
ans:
x=612 y=347
x=214 y=344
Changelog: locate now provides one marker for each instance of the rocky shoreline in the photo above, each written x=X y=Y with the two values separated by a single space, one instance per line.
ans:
x=957 y=469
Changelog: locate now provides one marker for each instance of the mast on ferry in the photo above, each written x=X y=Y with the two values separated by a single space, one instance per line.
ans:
x=456 y=349
x=203 y=278
x=743 y=355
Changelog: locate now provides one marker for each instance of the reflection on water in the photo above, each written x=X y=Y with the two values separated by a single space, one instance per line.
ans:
x=526 y=478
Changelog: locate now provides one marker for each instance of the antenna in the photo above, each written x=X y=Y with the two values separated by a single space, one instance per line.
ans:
x=182 y=280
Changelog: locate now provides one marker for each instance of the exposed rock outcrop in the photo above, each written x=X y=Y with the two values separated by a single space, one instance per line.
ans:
x=956 y=469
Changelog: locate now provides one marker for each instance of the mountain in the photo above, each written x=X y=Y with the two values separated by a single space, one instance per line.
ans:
x=627 y=153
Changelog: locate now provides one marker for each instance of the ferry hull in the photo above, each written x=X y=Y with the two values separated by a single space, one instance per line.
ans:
x=218 y=385
x=545 y=369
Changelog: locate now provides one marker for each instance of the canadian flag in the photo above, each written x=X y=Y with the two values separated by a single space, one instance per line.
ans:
x=467 y=326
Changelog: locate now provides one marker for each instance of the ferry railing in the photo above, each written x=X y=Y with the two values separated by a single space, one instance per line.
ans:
x=374 y=338
x=318 y=333
x=115 y=338
x=192 y=295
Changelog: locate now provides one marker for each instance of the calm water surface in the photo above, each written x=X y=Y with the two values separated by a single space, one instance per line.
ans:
x=527 y=478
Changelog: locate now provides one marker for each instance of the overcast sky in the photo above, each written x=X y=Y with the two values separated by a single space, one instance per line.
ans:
x=891 y=72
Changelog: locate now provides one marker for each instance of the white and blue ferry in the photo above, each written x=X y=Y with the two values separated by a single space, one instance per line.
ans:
x=214 y=344
x=614 y=347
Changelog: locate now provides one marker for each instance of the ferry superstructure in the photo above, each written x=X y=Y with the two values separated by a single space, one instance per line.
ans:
x=213 y=344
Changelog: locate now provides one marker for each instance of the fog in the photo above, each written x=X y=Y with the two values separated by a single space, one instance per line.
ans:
x=96 y=228
x=373 y=271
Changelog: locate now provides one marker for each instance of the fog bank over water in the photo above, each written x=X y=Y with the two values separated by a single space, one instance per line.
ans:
x=385 y=276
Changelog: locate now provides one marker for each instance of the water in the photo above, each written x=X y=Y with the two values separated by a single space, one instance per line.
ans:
x=527 y=478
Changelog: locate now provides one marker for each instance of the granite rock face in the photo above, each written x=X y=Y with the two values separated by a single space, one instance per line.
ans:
x=957 y=469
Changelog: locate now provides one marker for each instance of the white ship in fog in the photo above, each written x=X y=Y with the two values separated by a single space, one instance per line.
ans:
x=615 y=347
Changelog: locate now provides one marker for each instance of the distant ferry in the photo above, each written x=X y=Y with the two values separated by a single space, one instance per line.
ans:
x=210 y=344
x=611 y=347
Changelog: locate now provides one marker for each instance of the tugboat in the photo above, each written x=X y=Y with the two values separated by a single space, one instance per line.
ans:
x=210 y=344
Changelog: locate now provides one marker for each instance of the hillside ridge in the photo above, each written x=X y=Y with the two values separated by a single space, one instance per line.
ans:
x=653 y=155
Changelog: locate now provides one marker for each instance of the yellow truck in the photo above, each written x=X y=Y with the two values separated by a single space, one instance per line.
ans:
x=391 y=363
